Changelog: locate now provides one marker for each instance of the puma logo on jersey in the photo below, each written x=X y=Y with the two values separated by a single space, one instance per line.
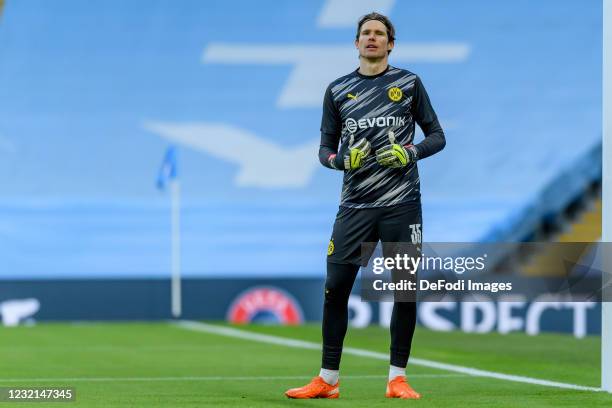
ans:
x=351 y=96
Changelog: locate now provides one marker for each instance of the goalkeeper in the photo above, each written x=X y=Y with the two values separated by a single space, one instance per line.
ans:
x=371 y=113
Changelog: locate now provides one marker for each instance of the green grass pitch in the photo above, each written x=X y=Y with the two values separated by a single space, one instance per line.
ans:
x=161 y=365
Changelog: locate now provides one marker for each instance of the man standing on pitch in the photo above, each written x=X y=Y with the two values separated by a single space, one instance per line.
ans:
x=371 y=112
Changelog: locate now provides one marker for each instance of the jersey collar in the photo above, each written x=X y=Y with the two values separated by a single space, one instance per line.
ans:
x=372 y=76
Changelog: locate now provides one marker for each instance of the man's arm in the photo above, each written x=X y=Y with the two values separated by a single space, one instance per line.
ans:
x=425 y=116
x=328 y=150
x=331 y=129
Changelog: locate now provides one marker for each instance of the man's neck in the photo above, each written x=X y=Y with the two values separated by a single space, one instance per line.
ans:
x=372 y=67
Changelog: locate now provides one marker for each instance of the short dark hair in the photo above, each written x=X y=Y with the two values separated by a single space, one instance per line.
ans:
x=378 y=17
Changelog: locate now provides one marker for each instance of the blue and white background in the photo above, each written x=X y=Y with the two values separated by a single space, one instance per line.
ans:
x=93 y=93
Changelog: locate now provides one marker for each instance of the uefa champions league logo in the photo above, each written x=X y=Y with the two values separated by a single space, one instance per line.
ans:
x=265 y=304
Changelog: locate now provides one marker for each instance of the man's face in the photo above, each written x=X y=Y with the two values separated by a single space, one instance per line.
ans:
x=373 y=42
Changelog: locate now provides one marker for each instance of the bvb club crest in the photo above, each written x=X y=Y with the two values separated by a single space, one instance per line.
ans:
x=395 y=94
x=330 y=247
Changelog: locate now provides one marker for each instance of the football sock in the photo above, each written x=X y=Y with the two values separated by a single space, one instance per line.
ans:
x=396 y=371
x=329 y=376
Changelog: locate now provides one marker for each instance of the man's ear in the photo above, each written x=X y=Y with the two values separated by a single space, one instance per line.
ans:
x=357 y=44
x=390 y=45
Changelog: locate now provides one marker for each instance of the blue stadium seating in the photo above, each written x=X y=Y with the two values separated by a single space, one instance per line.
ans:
x=93 y=93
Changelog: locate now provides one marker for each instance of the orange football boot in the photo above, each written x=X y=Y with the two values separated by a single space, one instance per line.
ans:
x=399 y=388
x=316 y=388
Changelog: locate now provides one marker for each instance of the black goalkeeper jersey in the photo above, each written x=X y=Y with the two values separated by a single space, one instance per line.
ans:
x=370 y=107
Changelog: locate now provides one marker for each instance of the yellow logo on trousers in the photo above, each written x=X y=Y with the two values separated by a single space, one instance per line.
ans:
x=330 y=247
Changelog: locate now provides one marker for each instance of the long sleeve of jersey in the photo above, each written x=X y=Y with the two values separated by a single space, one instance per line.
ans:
x=328 y=149
x=426 y=118
x=331 y=129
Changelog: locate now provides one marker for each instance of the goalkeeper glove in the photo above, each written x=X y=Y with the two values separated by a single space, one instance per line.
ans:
x=353 y=156
x=395 y=155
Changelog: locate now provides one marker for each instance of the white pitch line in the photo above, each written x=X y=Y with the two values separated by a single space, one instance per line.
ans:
x=203 y=378
x=282 y=341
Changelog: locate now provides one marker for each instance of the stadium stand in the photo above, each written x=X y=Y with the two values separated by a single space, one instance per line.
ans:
x=91 y=100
